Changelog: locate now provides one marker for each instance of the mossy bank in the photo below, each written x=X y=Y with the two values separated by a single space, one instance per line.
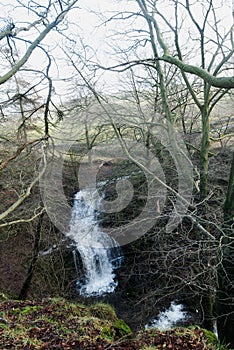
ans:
x=56 y=323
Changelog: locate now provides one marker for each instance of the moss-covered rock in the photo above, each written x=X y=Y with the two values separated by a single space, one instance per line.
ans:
x=103 y=311
x=107 y=333
x=121 y=328
x=57 y=323
x=210 y=337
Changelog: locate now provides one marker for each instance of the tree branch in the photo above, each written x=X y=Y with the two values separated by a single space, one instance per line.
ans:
x=20 y=221
x=25 y=195
x=35 y=43
x=220 y=82
x=17 y=153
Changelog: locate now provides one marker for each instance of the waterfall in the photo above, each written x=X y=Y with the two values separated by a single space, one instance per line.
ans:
x=168 y=318
x=100 y=253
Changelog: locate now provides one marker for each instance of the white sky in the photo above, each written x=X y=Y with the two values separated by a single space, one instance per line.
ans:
x=90 y=30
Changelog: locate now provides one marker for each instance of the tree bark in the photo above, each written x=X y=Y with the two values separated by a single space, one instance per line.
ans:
x=229 y=202
x=26 y=285
x=204 y=156
x=220 y=82
x=225 y=295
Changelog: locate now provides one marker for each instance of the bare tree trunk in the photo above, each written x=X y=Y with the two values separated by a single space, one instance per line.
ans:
x=207 y=304
x=26 y=285
x=229 y=202
x=225 y=296
x=204 y=155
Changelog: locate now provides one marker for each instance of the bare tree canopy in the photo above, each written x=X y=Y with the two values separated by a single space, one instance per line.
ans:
x=48 y=18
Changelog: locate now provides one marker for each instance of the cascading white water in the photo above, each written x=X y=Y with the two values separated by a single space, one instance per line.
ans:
x=168 y=318
x=100 y=253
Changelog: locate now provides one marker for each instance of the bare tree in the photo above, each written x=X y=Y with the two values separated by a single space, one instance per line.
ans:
x=189 y=32
x=38 y=20
x=48 y=17
x=27 y=110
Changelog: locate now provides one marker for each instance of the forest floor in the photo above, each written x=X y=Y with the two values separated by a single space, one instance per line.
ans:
x=58 y=324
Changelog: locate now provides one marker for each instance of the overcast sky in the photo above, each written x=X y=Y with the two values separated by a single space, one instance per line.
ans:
x=89 y=28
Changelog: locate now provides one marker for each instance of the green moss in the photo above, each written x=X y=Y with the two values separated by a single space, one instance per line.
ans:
x=210 y=337
x=103 y=311
x=28 y=309
x=107 y=333
x=39 y=325
x=58 y=300
x=121 y=328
